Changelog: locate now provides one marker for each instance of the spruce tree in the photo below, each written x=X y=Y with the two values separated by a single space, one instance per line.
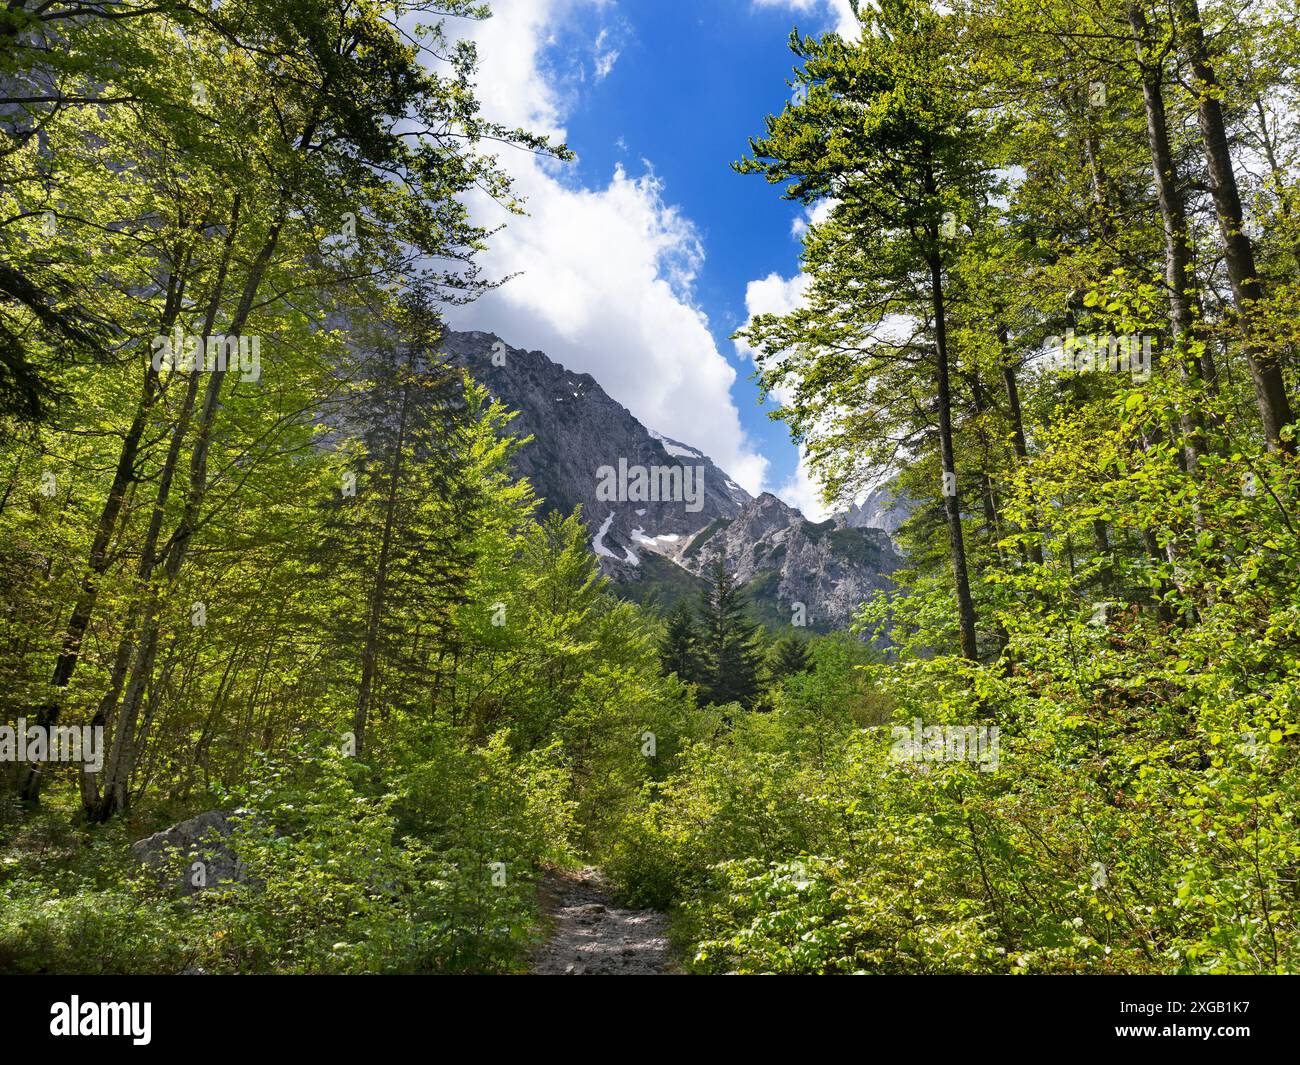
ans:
x=729 y=656
x=677 y=646
x=788 y=657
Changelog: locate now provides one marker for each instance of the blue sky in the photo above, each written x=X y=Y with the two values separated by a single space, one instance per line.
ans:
x=640 y=259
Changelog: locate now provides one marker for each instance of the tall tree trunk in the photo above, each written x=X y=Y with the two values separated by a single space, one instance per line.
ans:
x=115 y=795
x=1018 y=441
x=1101 y=537
x=1180 y=280
x=988 y=490
x=951 y=497
x=1238 y=251
x=100 y=558
x=1279 y=177
x=378 y=593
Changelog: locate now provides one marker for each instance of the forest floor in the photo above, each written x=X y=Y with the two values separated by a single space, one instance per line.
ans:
x=591 y=936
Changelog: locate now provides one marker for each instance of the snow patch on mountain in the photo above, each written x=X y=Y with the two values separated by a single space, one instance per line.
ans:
x=676 y=448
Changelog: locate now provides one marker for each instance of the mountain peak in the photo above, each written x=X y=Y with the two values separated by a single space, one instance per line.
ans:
x=659 y=510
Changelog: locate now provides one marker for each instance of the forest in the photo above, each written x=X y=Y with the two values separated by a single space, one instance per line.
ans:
x=263 y=550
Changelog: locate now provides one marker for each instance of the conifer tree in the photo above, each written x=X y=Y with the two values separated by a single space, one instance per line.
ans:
x=789 y=657
x=677 y=646
x=729 y=655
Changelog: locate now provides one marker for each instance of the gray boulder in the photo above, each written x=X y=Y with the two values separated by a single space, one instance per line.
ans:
x=204 y=844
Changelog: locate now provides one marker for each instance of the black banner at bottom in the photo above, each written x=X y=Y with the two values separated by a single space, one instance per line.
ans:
x=150 y=1014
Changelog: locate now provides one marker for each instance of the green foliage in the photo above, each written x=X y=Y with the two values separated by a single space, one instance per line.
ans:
x=679 y=643
x=375 y=582
x=842 y=859
x=434 y=877
x=213 y=565
x=728 y=659
x=88 y=932
x=1131 y=538
x=788 y=657
x=335 y=885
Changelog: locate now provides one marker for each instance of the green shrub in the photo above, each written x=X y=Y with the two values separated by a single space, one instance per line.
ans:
x=87 y=933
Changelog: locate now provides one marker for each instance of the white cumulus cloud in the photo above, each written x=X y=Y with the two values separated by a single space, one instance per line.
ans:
x=605 y=56
x=802 y=492
x=775 y=294
x=811 y=216
x=605 y=273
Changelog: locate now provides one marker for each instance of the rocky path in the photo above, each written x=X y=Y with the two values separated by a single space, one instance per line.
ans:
x=593 y=937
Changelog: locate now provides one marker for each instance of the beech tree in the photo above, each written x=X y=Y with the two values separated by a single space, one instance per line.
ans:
x=354 y=189
x=889 y=136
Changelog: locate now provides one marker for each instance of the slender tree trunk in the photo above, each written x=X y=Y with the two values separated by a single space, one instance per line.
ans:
x=1018 y=441
x=115 y=795
x=1238 y=251
x=116 y=771
x=180 y=540
x=100 y=556
x=378 y=595
x=1184 y=301
x=951 y=497
x=1100 y=215
x=988 y=490
x=1101 y=537
x=1152 y=544
x=1279 y=177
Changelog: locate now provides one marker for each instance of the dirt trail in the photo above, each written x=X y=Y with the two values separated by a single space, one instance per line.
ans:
x=593 y=937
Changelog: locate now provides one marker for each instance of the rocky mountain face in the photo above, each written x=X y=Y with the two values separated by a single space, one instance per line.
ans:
x=796 y=569
x=660 y=512
x=579 y=431
x=885 y=508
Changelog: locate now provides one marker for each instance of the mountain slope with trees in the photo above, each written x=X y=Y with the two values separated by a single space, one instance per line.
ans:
x=658 y=551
